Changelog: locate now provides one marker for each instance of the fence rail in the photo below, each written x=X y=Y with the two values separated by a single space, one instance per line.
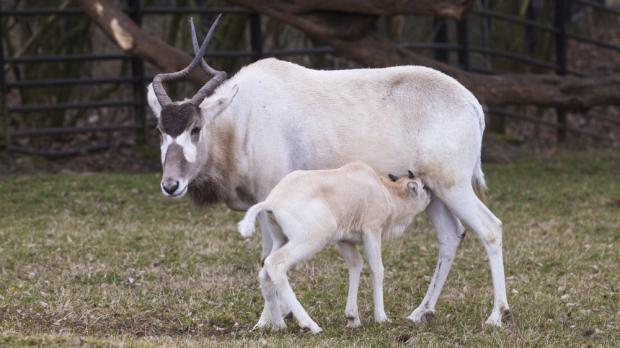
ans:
x=463 y=47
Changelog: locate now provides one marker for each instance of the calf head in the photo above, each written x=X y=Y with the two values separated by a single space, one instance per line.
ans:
x=182 y=124
x=413 y=188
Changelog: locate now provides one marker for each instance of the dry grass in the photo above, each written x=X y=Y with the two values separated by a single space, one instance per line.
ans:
x=105 y=260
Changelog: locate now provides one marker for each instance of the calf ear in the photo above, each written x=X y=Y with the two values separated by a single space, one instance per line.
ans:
x=152 y=100
x=413 y=187
x=214 y=107
x=393 y=177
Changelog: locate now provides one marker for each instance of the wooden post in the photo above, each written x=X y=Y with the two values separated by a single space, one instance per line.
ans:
x=463 y=41
x=561 y=12
x=440 y=27
x=137 y=71
x=6 y=133
x=256 y=37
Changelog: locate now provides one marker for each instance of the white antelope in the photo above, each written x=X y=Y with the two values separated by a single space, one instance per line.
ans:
x=309 y=209
x=236 y=138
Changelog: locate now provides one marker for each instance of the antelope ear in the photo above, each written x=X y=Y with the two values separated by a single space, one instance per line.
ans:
x=214 y=107
x=411 y=175
x=152 y=100
x=393 y=177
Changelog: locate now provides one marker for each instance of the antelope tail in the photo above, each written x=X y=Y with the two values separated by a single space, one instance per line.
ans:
x=478 y=182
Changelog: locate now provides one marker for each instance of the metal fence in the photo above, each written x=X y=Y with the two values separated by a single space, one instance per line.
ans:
x=441 y=46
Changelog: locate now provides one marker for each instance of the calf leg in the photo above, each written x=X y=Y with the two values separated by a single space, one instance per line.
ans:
x=272 y=240
x=271 y=313
x=464 y=203
x=449 y=233
x=267 y=240
x=372 y=246
x=277 y=264
x=354 y=261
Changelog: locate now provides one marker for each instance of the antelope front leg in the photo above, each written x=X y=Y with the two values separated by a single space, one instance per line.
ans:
x=372 y=245
x=354 y=261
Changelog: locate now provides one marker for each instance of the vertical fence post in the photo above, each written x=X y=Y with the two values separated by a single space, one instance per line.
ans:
x=256 y=38
x=463 y=41
x=137 y=71
x=6 y=134
x=560 y=16
x=440 y=27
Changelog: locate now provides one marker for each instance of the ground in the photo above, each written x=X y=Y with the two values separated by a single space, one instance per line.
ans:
x=105 y=260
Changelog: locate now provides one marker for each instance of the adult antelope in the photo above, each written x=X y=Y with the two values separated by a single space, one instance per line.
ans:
x=236 y=138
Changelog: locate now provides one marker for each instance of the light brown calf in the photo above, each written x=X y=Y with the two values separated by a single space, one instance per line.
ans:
x=347 y=206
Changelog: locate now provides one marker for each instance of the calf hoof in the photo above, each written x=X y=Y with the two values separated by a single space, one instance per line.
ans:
x=353 y=322
x=277 y=327
x=312 y=327
x=382 y=319
x=421 y=316
x=261 y=324
x=495 y=319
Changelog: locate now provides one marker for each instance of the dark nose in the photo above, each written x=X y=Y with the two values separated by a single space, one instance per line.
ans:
x=170 y=186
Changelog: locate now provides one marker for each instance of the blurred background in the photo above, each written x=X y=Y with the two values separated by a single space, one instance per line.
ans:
x=74 y=72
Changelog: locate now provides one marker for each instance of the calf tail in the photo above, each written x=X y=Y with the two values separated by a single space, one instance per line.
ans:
x=247 y=225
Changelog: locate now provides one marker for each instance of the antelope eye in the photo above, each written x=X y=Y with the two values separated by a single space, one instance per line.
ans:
x=195 y=131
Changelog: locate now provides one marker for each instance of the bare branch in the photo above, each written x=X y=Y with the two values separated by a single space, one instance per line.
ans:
x=131 y=39
x=438 y=8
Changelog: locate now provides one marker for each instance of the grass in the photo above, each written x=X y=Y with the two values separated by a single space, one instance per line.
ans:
x=105 y=260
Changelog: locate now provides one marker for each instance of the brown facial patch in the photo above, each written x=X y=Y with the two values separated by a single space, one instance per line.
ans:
x=176 y=118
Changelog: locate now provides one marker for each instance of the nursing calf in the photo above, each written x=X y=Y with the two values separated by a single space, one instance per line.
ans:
x=236 y=138
x=346 y=206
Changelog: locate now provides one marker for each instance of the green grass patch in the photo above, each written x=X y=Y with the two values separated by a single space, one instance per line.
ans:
x=105 y=260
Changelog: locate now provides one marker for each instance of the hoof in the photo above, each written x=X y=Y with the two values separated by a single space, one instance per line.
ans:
x=428 y=316
x=421 y=316
x=354 y=322
x=258 y=327
x=313 y=327
x=493 y=322
x=278 y=327
x=383 y=319
x=494 y=319
x=506 y=313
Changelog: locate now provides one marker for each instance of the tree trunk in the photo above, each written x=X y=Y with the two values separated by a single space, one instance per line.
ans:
x=131 y=39
x=347 y=28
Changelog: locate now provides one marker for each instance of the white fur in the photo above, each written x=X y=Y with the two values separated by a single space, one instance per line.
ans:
x=152 y=100
x=247 y=226
x=185 y=141
x=345 y=206
x=287 y=117
x=167 y=140
x=189 y=148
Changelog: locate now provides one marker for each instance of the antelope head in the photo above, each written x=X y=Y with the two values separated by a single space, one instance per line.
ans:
x=182 y=124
